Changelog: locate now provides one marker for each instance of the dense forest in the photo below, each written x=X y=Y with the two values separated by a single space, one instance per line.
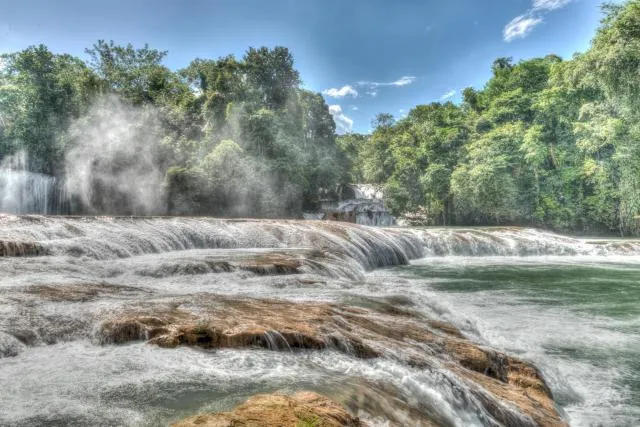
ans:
x=547 y=142
x=128 y=135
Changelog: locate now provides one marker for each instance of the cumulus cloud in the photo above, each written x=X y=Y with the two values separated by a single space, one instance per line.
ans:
x=345 y=90
x=448 y=95
x=521 y=26
x=343 y=123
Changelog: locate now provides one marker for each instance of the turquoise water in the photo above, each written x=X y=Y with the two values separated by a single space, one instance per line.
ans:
x=577 y=318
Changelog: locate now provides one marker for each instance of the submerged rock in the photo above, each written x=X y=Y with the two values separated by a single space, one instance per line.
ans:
x=77 y=292
x=303 y=409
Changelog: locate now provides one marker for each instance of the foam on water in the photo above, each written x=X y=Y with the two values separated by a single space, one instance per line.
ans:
x=138 y=385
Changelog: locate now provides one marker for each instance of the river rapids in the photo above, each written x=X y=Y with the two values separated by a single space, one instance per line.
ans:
x=145 y=321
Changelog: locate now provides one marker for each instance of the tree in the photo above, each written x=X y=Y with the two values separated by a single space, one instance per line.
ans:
x=271 y=75
x=40 y=93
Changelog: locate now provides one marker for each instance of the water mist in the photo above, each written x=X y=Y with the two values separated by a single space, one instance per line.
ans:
x=114 y=165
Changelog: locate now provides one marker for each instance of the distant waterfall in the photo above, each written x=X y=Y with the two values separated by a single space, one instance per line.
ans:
x=25 y=192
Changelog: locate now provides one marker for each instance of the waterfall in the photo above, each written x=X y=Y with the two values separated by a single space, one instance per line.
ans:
x=369 y=247
x=516 y=241
x=26 y=192
x=123 y=237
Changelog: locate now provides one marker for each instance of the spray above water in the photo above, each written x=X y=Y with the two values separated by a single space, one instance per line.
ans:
x=114 y=165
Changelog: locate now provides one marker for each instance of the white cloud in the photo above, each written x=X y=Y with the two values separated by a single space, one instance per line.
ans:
x=550 y=4
x=354 y=107
x=343 y=123
x=373 y=93
x=520 y=27
x=345 y=90
x=448 y=95
x=404 y=80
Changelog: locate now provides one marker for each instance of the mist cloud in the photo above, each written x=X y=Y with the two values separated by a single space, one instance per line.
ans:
x=113 y=166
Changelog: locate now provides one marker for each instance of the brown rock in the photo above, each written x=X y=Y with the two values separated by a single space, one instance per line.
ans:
x=225 y=322
x=304 y=409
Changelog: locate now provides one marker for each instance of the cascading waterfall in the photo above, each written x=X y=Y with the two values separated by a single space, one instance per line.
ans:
x=25 y=192
x=515 y=241
x=118 y=237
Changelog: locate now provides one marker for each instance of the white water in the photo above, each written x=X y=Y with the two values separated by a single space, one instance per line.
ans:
x=58 y=375
x=513 y=241
x=584 y=337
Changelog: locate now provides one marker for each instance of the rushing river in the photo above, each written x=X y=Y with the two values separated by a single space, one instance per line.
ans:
x=569 y=306
x=577 y=318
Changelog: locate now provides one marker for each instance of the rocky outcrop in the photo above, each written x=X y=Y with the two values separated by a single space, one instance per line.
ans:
x=303 y=409
x=511 y=390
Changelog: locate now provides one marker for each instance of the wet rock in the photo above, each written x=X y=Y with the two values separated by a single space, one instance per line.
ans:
x=17 y=249
x=270 y=263
x=303 y=409
x=224 y=322
x=229 y=323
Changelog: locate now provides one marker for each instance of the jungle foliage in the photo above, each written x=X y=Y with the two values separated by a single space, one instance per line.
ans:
x=234 y=136
x=546 y=142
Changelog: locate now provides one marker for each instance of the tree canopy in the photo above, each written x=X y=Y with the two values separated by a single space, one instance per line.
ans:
x=546 y=142
x=231 y=136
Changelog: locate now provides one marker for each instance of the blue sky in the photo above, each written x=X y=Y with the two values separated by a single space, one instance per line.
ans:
x=366 y=56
